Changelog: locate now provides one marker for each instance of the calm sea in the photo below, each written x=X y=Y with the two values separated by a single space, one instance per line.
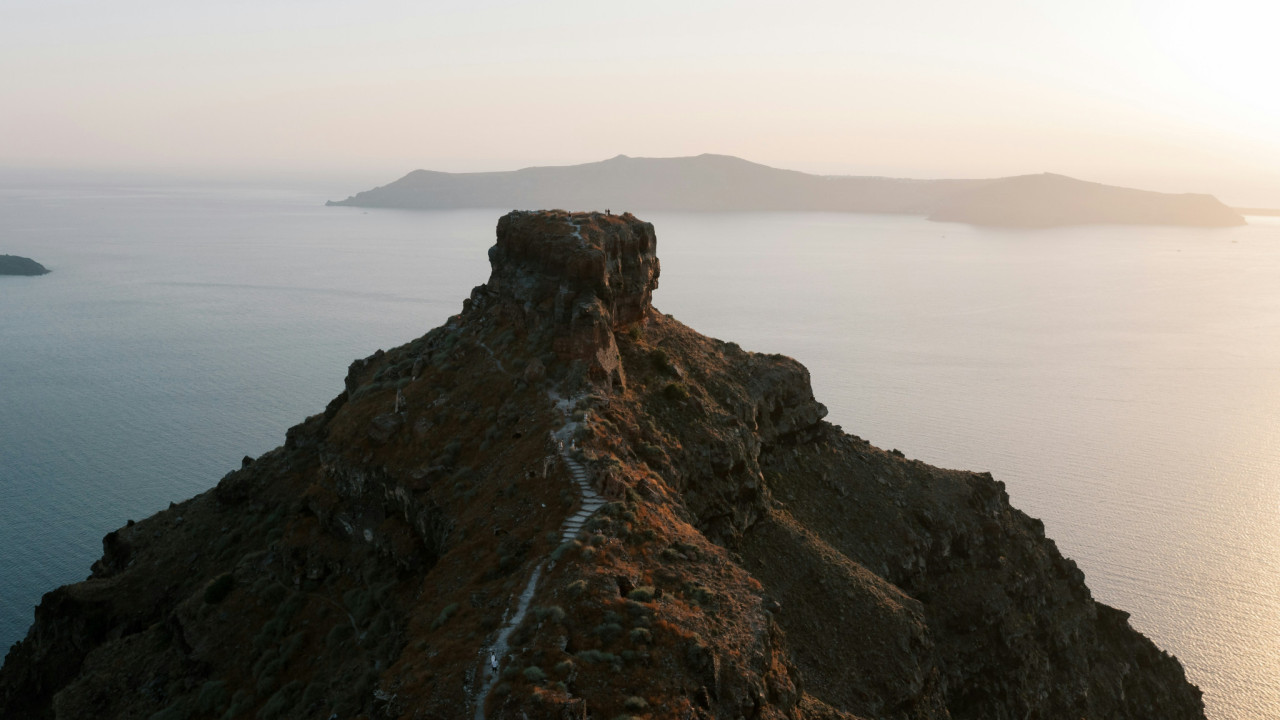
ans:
x=1124 y=382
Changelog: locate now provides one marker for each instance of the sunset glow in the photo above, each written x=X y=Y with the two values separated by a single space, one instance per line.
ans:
x=1170 y=96
x=339 y=381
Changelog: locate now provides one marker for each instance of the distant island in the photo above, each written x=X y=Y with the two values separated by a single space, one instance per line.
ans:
x=1049 y=200
x=1268 y=212
x=726 y=183
x=15 y=265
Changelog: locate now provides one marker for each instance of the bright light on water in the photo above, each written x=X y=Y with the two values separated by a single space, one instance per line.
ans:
x=1124 y=382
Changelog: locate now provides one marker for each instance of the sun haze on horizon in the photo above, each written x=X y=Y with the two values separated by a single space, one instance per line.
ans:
x=1171 y=96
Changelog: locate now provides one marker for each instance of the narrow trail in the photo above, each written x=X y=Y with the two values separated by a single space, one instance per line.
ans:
x=577 y=229
x=591 y=502
x=493 y=355
x=498 y=650
x=493 y=655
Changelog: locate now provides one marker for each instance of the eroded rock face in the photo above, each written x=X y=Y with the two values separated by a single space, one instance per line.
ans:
x=576 y=276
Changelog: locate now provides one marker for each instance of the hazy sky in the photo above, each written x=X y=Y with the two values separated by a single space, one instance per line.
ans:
x=1169 y=95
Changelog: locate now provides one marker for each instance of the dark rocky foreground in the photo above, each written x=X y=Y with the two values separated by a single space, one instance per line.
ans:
x=401 y=555
x=16 y=265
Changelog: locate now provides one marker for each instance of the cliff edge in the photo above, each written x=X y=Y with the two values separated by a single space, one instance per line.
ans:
x=566 y=504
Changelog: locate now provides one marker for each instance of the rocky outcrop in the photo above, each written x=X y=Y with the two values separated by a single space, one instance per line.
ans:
x=552 y=263
x=576 y=277
x=627 y=518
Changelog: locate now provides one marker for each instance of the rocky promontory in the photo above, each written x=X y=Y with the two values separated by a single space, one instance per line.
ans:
x=563 y=503
x=17 y=265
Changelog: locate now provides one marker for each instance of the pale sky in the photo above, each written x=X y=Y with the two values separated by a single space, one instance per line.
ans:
x=1172 y=95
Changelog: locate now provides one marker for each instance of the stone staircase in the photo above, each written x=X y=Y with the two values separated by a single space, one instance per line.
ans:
x=493 y=655
x=591 y=500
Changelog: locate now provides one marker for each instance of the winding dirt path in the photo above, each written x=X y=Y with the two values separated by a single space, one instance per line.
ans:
x=494 y=355
x=577 y=229
x=498 y=650
x=494 y=654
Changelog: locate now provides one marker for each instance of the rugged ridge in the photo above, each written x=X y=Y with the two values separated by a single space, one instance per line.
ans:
x=729 y=554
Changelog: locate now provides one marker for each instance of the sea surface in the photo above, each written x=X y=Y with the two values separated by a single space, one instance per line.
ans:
x=1123 y=382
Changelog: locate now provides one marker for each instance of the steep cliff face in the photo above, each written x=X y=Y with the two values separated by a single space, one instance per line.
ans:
x=573 y=280
x=565 y=504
